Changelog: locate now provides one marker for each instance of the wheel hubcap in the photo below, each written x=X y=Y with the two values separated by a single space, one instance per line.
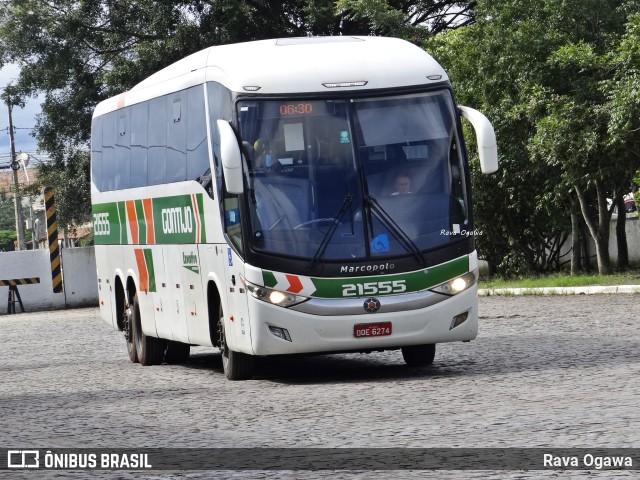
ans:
x=127 y=324
x=222 y=339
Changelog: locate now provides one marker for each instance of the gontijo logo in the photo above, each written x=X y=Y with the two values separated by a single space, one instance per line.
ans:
x=177 y=220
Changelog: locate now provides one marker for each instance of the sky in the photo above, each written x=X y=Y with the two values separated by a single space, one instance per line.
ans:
x=24 y=119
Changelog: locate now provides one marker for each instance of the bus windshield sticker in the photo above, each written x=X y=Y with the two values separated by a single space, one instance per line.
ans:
x=380 y=243
x=293 y=137
x=344 y=136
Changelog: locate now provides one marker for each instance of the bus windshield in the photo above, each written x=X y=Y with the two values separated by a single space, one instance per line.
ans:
x=358 y=179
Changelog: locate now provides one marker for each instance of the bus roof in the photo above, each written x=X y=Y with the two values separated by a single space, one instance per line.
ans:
x=292 y=66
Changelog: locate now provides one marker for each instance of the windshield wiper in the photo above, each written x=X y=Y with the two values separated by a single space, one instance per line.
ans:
x=346 y=203
x=400 y=234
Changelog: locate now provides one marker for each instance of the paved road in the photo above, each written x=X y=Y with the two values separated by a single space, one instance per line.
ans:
x=543 y=372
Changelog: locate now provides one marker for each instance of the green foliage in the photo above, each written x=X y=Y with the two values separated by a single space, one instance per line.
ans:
x=71 y=183
x=7 y=237
x=561 y=280
x=7 y=212
x=87 y=240
x=79 y=53
x=540 y=70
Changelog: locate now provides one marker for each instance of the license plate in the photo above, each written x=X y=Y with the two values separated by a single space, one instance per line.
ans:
x=380 y=329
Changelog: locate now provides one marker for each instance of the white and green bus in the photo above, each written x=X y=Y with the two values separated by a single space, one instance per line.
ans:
x=289 y=196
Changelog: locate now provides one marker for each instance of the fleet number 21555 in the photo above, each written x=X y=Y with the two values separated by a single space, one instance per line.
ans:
x=373 y=288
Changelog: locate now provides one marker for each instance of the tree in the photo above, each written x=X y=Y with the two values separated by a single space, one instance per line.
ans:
x=623 y=106
x=70 y=181
x=411 y=20
x=520 y=209
x=7 y=213
x=7 y=239
x=81 y=52
x=537 y=68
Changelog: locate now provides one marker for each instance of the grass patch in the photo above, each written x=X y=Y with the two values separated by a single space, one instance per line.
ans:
x=562 y=280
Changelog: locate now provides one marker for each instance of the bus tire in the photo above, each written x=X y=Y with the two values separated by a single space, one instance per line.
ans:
x=127 y=324
x=149 y=349
x=419 y=355
x=177 y=352
x=236 y=365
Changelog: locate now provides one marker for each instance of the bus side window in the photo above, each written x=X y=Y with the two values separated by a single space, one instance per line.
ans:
x=96 y=152
x=176 y=137
x=139 y=119
x=157 y=152
x=197 y=151
x=108 y=151
x=123 y=152
x=232 y=224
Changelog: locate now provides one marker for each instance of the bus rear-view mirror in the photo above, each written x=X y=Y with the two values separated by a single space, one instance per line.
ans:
x=231 y=158
x=485 y=137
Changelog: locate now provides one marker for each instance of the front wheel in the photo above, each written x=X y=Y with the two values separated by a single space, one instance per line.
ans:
x=236 y=365
x=419 y=355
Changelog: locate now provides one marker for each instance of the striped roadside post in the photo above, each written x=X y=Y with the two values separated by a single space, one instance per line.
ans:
x=52 y=233
x=13 y=291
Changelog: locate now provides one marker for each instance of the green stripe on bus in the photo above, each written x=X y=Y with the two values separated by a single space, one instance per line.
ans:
x=203 y=231
x=269 y=279
x=108 y=224
x=413 y=281
x=142 y=224
x=148 y=259
x=122 y=220
x=408 y=282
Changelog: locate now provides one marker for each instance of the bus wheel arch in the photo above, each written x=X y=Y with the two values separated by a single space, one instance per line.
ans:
x=149 y=350
x=213 y=306
x=236 y=365
x=124 y=318
x=120 y=302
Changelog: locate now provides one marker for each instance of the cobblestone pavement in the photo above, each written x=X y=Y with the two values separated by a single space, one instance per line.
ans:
x=543 y=372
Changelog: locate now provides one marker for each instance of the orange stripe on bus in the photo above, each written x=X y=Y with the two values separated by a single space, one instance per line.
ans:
x=133 y=221
x=142 y=269
x=148 y=216
x=196 y=211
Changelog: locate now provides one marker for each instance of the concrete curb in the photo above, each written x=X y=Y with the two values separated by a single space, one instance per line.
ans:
x=588 y=290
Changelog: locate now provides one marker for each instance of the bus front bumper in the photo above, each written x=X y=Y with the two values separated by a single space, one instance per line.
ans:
x=310 y=333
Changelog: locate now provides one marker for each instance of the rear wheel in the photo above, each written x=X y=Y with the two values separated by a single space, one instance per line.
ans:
x=127 y=326
x=177 y=352
x=149 y=349
x=236 y=365
x=419 y=355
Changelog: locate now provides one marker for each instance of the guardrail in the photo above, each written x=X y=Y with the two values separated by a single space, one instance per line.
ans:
x=14 y=293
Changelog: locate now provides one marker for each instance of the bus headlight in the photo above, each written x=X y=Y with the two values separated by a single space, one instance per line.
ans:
x=269 y=295
x=458 y=284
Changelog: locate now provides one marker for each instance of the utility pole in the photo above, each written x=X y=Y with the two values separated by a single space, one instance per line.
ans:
x=16 y=187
